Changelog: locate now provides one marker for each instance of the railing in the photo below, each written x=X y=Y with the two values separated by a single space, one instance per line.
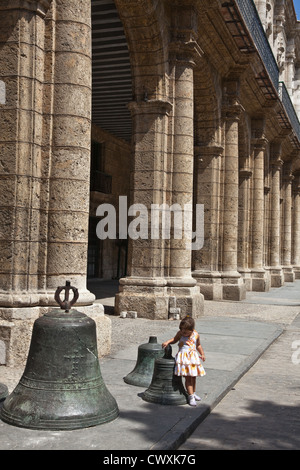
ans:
x=250 y=16
x=289 y=108
x=252 y=20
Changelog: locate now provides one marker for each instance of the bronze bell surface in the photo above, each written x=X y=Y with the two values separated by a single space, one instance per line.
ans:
x=61 y=387
x=166 y=388
x=142 y=373
x=3 y=392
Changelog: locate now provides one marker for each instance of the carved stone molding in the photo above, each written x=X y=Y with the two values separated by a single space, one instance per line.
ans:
x=39 y=6
x=187 y=53
x=259 y=143
x=150 y=107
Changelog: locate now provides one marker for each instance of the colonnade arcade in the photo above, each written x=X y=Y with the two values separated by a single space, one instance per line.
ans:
x=204 y=132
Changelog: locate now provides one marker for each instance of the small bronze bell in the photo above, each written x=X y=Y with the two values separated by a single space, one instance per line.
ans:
x=61 y=387
x=141 y=375
x=165 y=388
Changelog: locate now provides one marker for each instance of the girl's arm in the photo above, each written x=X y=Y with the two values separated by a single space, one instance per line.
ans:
x=172 y=340
x=200 y=349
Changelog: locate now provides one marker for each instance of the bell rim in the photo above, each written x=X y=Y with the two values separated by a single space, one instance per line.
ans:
x=61 y=424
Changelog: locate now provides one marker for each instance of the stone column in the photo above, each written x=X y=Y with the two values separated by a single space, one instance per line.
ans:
x=208 y=192
x=44 y=170
x=181 y=284
x=274 y=239
x=245 y=175
x=261 y=6
x=296 y=227
x=290 y=66
x=260 y=279
x=145 y=288
x=22 y=31
x=68 y=175
x=22 y=35
x=287 y=267
x=233 y=284
x=69 y=191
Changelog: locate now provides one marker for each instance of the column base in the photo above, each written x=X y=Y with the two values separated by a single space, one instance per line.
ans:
x=16 y=326
x=233 y=286
x=247 y=278
x=288 y=273
x=209 y=283
x=276 y=276
x=297 y=272
x=258 y=280
x=22 y=299
x=149 y=297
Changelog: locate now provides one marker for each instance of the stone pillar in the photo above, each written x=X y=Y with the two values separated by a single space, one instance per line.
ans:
x=275 y=268
x=181 y=284
x=290 y=66
x=296 y=226
x=69 y=172
x=22 y=33
x=287 y=267
x=233 y=284
x=261 y=6
x=22 y=30
x=45 y=160
x=70 y=159
x=260 y=279
x=208 y=192
x=243 y=249
x=145 y=288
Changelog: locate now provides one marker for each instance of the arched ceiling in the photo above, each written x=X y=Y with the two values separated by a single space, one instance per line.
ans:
x=111 y=71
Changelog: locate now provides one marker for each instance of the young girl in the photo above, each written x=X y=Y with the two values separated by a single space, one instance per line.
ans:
x=187 y=362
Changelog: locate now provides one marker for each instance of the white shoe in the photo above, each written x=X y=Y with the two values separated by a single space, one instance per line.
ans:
x=192 y=401
x=197 y=398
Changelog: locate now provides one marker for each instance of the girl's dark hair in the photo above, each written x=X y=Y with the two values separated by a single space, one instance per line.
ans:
x=187 y=323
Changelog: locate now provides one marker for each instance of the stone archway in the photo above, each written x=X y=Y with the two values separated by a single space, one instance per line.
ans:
x=162 y=170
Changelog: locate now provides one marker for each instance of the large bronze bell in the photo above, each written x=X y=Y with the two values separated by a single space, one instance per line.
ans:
x=166 y=388
x=61 y=387
x=141 y=375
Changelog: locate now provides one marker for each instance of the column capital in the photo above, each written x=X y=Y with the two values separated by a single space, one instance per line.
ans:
x=276 y=163
x=232 y=112
x=184 y=47
x=39 y=6
x=214 y=150
x=245 y=173
x=275 y=149
x=296 y=183
x=185 y=52
x=275 y=155
x=259 y=143
x=287 y=172
x=150 y=107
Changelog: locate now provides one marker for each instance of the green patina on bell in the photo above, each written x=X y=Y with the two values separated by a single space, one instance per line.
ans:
x=61 y=387
x=3 y=392
x=166 y=388
x=141 y=375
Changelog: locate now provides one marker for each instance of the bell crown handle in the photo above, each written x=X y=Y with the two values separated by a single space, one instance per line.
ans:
x=66 y=304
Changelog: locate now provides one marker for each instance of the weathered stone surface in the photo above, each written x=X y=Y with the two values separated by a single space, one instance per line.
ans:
x=204 y=132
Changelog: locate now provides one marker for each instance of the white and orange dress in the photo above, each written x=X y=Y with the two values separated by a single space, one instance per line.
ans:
x=187 y=360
